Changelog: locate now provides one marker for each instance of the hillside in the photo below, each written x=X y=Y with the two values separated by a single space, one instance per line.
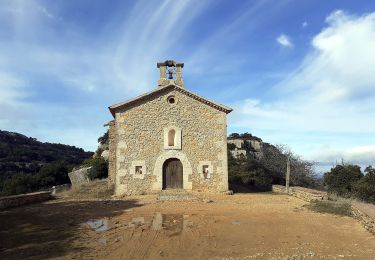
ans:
x=259 y=164
x=22 y=154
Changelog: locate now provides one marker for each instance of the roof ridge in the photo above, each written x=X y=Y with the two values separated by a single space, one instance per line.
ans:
x=183 y=90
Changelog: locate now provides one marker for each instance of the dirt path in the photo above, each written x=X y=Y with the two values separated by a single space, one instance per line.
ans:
x=242 y=226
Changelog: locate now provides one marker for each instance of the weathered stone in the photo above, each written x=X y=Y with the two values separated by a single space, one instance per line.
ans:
x=302 y=193
x=139 y=141
x=243 y=147
x=80 y=176
x=105 y=155
x=367 y=221
x=229 y=192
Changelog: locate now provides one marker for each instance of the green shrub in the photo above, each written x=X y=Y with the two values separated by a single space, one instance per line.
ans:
x=100 y=167
x=364 y=189
x=342 y=178
x=104 y=138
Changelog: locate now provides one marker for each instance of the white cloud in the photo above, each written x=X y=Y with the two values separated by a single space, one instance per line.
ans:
x=91 y=71
x=11 y=88
x=357 y=155
x=46 y=12
x=305 y=24
x=332 y=91
x=284 y=41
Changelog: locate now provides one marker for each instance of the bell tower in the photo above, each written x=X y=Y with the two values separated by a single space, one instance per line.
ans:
x=170 y=73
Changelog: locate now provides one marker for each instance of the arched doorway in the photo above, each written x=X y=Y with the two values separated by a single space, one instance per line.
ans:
x=172 y=174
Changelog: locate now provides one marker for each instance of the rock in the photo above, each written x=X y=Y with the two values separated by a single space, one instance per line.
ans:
x=207 y=201
x=105 y=154
x=229 y=192
x=80 y=176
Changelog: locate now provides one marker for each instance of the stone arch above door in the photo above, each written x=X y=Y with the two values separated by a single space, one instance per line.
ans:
x=158 y=169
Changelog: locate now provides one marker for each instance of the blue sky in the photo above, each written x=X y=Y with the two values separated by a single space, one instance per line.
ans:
x=299 y=73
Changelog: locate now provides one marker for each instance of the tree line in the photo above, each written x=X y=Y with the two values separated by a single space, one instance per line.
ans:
x=262 y=173
x=348 y=181
x=27 y=165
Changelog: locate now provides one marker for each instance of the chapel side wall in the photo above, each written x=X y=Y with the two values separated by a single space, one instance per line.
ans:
x=140 y=133
x=112 y=153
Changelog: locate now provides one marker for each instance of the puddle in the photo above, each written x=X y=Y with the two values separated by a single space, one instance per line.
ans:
x=102 y=241
x=236 y=222
x=99 y=225
x=171 y=224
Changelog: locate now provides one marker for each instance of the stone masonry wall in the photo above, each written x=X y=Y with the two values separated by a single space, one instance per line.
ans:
x=302 y=193
x=80 y=176
x=140 y=140
x=112 y=146
x=367 y=221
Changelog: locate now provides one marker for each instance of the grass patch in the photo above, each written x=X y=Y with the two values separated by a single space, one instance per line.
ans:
x=341 y=208
x=97 y=189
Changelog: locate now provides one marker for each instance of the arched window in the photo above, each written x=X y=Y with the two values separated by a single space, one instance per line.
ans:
x=171 y=137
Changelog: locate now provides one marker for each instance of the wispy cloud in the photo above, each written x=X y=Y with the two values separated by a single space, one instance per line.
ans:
x=332 y=90
x=58 y=59
x=305 y=24
x=284 y=41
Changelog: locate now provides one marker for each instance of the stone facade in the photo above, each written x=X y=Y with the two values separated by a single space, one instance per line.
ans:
x=140 y=141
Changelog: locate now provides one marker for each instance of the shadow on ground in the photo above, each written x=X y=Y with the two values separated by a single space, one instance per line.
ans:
x=47 y=230
x=242 y=188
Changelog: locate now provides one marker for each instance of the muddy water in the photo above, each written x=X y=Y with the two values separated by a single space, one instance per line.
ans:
x=171 y=224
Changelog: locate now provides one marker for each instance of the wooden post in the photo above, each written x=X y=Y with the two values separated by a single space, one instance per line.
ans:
x=287 y=175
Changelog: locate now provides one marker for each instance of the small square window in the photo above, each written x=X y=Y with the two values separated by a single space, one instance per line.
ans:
x=138 y=170
x=205 y=171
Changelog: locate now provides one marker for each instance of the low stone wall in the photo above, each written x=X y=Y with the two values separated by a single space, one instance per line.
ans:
x=23 y=199
x=364 y=213
x=80 y=176
x=302 y=193
x=366 y=221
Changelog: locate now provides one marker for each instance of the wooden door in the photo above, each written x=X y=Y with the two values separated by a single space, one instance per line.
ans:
x=172 y=174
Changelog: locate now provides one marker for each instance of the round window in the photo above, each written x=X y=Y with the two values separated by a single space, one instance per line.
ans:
x=171 y=100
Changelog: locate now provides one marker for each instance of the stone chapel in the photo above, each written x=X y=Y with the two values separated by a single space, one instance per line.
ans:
x=169 y=138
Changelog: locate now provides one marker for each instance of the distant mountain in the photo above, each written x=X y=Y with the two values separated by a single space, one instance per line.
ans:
x=22 y=154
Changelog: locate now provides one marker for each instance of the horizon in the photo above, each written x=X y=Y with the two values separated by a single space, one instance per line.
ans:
x=299 y=74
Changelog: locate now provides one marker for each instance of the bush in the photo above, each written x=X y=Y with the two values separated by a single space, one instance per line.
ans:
x=364 y=189
x=49 y=175
x=231 y=147
x=104 y=138
x=342 y=178
x=100 y=167
x=270 y=168
x=18 y=184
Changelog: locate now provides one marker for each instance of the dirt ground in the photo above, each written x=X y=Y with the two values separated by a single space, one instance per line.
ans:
x=242 y=226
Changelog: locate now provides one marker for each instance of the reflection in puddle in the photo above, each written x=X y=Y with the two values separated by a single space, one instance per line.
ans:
x=99 y=225
x=174 y=224
x=169 y=224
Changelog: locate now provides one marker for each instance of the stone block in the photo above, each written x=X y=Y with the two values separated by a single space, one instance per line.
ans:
x=80 y=176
